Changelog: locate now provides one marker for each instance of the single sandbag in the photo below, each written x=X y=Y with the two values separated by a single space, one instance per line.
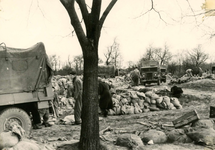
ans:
x=178 y=136
x=156 y=136
x=123 y=110
x=179 y=107
x=159 y=100
x=153 y=108
x=175 y=102
x=140 y=103
x=134 y=95
x=129 y=140
x=27 y=145
x=68 y=119
x=134 y=101
x=118 y=97
x=137 y=109
x=117 y=110
x=154 y=96
x=146 y=105
x=145 y=110
x=203 y=123
x=147 y=99
x=111 y=112
x=171 y=106
x=124 y=101
x=202 y=136
x=166 y=100
x=8 y=139
x=130 y=109
x=115 y=101
x=149 y=94
x=141 y=94
x=153 y=101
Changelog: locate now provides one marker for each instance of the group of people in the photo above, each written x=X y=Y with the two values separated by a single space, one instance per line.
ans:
x=40 y=117
x=74 y=90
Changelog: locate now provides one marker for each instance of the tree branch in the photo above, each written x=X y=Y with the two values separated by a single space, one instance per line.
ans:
x=69 y=5
x=152 y=8
x=192 y=10
x=105 y=13
x=96 y=9
x=84 y=11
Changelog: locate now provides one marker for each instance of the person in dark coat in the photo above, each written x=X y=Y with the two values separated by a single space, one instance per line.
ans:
x=105 y=100
x=176 y=91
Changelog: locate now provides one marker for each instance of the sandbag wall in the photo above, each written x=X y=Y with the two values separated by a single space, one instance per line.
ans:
x=127 y=100
x=134 y=102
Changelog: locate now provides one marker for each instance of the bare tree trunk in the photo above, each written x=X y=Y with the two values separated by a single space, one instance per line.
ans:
x=90 y=122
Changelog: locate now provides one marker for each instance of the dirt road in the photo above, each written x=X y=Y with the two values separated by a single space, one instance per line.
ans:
x=197 y=99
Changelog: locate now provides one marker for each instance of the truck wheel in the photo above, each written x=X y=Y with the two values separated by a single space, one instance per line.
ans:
x=18 y=115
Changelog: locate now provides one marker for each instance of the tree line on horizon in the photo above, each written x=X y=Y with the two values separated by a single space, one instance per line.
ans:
x=176 y=65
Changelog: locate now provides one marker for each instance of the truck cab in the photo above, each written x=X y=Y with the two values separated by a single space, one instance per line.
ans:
x=25 y=81
x=150 y=74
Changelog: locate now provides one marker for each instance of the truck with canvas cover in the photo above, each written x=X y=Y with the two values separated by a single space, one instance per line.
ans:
x=25 y=80
x=150 y=73
x=106 y=71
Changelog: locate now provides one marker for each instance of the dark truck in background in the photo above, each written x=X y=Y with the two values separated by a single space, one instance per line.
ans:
x=25 y=77
x=152 y=72
x=106 y=71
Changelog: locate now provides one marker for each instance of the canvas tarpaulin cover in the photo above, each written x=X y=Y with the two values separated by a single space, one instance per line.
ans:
x=24 y=70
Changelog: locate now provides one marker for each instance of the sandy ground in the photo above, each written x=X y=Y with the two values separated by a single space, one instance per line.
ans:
x=199 y=98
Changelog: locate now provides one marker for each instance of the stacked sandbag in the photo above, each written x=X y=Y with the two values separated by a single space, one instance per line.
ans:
x=135 y=102
x=128 y=101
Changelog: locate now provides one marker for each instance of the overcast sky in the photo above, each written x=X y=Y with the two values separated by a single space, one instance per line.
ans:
x=23 y=23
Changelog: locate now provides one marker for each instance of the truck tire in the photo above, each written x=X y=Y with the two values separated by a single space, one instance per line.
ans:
x=18 y=115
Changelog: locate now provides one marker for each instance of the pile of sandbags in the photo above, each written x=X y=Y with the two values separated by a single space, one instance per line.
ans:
x=128 y=101
x=15 y=139
x=134 y=102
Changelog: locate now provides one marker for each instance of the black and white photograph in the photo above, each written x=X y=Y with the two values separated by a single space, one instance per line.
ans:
x=107 y=74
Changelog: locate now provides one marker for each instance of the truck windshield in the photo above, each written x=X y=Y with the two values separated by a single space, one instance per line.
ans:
x=149 y=69
x=163 y=70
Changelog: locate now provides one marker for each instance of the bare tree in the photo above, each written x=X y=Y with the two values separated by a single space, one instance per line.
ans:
x=78 y=60
x=69 y=62
x=108 y=55
x=54 y=60
x=113 y=55
x=150 y=52
x=116 y=56
x=197 y=56
x=163 y=55
x=89 y=40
